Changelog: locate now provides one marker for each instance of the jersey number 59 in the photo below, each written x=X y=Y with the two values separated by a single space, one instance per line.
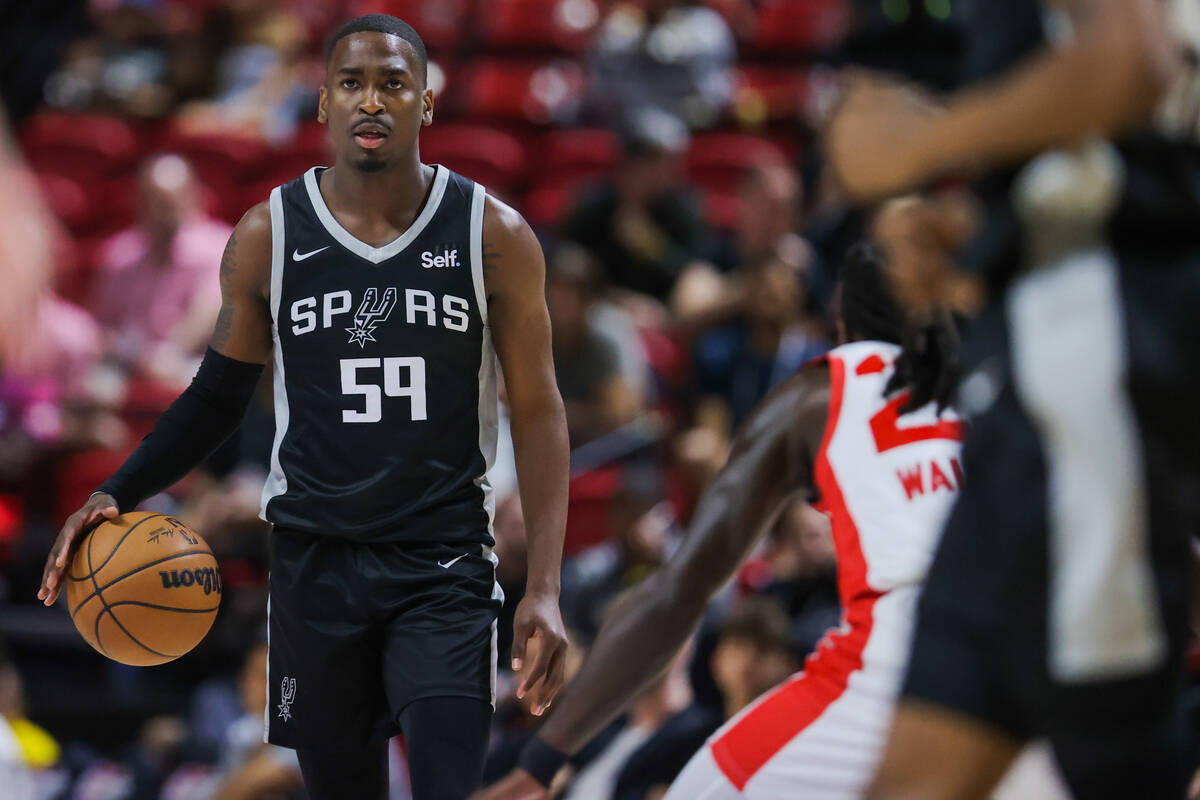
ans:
x=413 y=389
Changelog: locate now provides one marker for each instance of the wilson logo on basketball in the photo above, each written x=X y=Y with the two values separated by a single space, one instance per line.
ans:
x=172 y=527
x=206 y=578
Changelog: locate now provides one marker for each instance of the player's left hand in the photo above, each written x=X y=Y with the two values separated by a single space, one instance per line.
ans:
x=876 y=140
x=516 y=785
x=538 y=619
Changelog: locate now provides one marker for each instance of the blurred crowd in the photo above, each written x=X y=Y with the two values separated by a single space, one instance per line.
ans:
x=663 y=150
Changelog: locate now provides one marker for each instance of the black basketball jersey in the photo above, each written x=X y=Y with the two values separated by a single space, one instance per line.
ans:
x=385 y=377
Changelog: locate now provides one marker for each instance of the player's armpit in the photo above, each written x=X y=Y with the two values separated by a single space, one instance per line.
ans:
x=243 y=329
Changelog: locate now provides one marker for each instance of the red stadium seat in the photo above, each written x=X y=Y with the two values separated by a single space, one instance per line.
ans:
x=521 y=91
x=79 y=144
x=548 y=204
x=766 y=94
x=67 y=198
x=440 y=23
x=494 y=158
x=564 y=25
x=721 y=210
x=12 y=524
x=800 y=25
x=718 y=161
x=221 y=163
x=589 y=505
x=282 y=165
x=117 y=208
x=311 y=136
x=251 y=194
x=570 y=155
x=217 y=159
x=79 y=474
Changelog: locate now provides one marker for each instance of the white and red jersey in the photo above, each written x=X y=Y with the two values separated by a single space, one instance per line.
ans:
x=887 y=481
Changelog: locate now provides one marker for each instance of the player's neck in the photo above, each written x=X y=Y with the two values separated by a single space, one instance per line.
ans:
x=395 y=194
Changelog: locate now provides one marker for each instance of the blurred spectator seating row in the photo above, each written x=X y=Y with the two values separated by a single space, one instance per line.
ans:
x=87 y=162
x=772 y=28
x=508 y=94
x=87 y=166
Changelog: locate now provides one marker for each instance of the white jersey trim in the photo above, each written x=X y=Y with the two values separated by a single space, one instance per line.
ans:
x=478 y=204
x=276 y=483
x=489 y=406
x=489 y=424
x=489 y=400
x=497 y=594
x=361 y=248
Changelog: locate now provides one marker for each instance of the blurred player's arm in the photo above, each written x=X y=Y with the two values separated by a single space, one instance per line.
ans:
x=208 y=411
x=886 y=137
x=515 y=276
x=770 y=461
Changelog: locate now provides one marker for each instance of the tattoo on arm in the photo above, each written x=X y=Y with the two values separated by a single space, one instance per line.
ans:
x=491 y=257
x=224 y=326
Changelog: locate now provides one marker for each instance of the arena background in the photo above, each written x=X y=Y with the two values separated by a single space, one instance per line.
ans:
x=663 y=150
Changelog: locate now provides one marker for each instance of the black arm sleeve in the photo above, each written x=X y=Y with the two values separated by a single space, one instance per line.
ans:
x=193 y=426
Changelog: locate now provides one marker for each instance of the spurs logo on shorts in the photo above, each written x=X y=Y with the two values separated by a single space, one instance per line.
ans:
x=287 y=693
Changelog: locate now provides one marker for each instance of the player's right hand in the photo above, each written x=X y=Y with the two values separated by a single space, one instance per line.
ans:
x=99 y=507
x=516 y=785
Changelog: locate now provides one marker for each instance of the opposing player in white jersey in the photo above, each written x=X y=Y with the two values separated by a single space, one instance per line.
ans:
x=865 y=433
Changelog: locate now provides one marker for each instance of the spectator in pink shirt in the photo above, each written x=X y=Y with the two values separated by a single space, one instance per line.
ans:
x=158 y=290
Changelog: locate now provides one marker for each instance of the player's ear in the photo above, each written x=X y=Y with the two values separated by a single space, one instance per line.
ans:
x=427 y=107
x=322 y=99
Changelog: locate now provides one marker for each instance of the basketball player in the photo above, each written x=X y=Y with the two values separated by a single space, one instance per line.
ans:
x=864 y=433
x=379 y=286
x=1056 y=603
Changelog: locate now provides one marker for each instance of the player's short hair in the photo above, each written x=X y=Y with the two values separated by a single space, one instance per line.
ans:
x=384 y=23
x=929 y=362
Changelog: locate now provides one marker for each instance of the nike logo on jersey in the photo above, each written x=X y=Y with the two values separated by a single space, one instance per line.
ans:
x=298 y=256
x=451 y=562
x=448 y=258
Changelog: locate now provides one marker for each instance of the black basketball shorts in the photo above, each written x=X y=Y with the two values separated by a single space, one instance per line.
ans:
x=1057 y=601
x=359 y=631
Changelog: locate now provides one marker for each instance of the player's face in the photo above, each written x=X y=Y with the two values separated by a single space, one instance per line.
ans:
x=374 y=100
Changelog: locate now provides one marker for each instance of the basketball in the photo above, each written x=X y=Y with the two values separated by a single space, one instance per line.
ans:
x=143 y=588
